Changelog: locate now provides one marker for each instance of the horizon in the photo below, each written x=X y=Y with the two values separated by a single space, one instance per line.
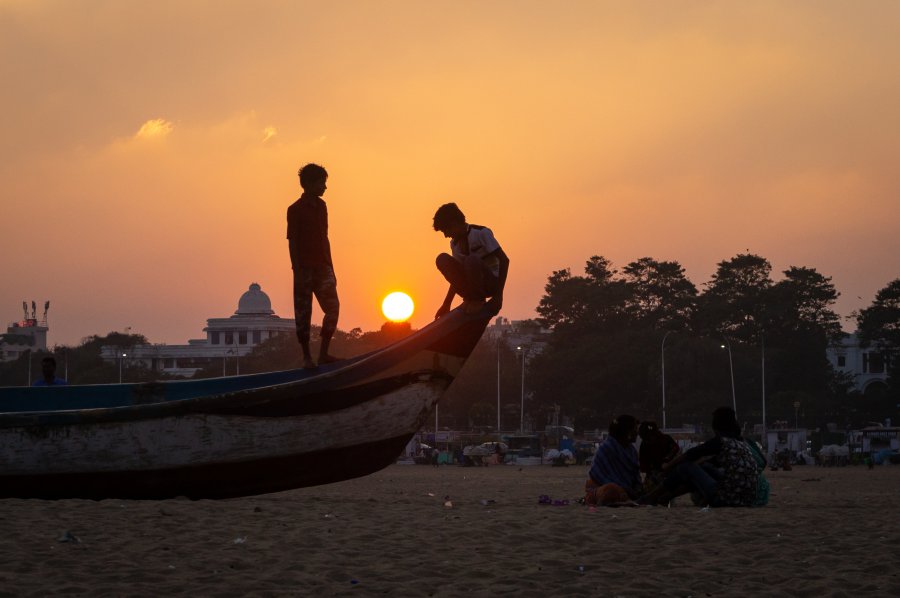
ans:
x=150 y=151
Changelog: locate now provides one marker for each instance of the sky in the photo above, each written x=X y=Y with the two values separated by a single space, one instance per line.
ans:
x=149 y=150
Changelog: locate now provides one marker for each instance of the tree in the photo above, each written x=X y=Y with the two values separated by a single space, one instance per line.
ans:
x=879 y=326
x=660 y=295
x=802 y=302
x=595 y=300
x=730 y=306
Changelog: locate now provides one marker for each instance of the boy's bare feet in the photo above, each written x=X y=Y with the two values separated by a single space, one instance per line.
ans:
x=326 y=359
x=308 y=363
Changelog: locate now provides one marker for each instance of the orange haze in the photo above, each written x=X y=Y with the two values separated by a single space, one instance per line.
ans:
x=149 y=149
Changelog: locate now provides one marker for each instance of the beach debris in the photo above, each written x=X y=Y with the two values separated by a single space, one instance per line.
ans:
x=563 y=502
x=486 y=502
x=353 y=582
x=543 y=499
x=704 y=509
x=580 y=569
x=429 y=494
x=240 y=540
x=448 y=504
x=68 y=536
x=330 y=516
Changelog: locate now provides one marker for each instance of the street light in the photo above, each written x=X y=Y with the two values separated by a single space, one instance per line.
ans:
x=522 y=408
x=664 y=378
x=121 y=360
x=762 y=343
x=498 y=385
x=731 y=370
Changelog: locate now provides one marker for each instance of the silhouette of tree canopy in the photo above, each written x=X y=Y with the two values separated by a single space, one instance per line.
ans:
x=605 y=350
x=879 y=327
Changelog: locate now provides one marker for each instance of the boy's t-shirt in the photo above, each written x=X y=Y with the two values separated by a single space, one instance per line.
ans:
x=481 y=244
x=307 y=232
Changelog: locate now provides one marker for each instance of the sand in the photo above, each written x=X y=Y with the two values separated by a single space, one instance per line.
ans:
x=826 y=532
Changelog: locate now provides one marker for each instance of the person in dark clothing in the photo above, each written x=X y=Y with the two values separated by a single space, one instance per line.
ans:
x=48 y=374
x=726 y=478
x=614 y=477
x=307 y=234
x=657 y=448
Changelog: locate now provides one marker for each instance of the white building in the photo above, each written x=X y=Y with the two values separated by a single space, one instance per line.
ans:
x=226 y=339
x=28 y=334
x=865 y=364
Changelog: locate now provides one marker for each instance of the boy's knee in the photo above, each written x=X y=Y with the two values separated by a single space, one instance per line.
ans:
x=443 y=261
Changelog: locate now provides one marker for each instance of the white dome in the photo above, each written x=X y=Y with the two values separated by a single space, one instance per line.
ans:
x=254 y=302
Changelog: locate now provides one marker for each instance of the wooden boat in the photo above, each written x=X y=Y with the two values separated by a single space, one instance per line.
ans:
x=228 y=437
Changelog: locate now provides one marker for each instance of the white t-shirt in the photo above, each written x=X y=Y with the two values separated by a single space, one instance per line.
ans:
x=481 y=243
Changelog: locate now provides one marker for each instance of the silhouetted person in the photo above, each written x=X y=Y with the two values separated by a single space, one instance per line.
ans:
x=48 y=374
x=478 y=266
x=307 y=233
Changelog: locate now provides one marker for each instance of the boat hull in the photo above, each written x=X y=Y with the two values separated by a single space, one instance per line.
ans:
x=343 y=423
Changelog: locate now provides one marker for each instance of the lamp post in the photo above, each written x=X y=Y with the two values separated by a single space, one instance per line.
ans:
x=762 y=344
x=522 y=407
x=664 y=378
x=121 y=361
x=498 y=385
x=731 y=371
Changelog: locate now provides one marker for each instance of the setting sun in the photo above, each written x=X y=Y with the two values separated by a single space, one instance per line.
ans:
x=397 y=307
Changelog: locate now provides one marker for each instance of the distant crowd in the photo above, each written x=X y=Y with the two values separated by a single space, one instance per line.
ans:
x=725 y=471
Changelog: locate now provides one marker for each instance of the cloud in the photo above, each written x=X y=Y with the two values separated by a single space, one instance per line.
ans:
x=268 y=133
x=154 y=128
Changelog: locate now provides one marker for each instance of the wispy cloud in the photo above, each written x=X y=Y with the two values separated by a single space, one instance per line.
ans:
x=268 y=133
x=154 y=128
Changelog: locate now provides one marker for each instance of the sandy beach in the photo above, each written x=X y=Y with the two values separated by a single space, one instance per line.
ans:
x=826 y=532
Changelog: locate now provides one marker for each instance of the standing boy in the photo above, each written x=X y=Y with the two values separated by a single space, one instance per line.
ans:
x=307 y=233
x=477 y=267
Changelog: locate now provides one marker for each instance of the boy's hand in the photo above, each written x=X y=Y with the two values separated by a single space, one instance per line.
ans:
x=442 y=311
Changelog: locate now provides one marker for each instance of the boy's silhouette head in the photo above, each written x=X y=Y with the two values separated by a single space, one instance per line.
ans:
x=312 y=178
x=450 y=220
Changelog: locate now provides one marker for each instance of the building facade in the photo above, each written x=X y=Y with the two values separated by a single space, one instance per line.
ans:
x=26 y=335
x=227 y=339
x=865 y=364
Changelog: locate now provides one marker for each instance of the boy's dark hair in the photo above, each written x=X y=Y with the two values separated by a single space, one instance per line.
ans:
x=448 y=214
x=621 y=425
x=724 y=423
x=49 y=359
x=311 y=174
x=646 y=429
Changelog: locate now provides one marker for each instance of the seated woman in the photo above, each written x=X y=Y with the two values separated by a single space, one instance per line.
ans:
x=657 y=448
x=615 y=477
x=728 y=477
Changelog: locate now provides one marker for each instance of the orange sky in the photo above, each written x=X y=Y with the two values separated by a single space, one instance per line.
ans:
x=149 y=149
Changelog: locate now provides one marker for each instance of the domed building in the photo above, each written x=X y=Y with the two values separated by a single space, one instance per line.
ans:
x=227 y=339
x=252 y=323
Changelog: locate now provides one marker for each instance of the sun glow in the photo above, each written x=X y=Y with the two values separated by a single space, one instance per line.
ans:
x=397 y=307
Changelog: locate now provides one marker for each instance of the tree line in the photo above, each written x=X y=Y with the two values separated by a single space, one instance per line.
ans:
x=612 y=333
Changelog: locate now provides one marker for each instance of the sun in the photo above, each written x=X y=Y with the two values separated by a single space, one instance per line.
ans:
x=397 y=307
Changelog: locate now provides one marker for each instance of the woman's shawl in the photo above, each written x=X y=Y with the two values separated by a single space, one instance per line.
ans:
x=617 y=464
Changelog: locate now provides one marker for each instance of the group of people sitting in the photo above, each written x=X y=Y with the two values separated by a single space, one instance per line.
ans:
x=725 y=471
